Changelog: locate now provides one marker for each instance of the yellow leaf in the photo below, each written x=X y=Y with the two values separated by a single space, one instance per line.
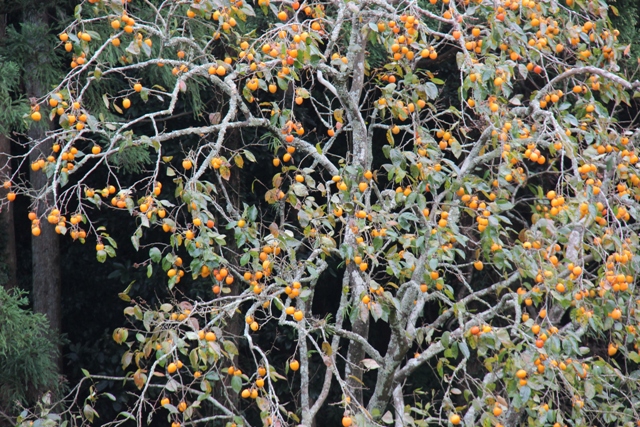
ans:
x=139 y=378
x=270 y=196
x=225 y=172
x=273 y=228
x=326 y=348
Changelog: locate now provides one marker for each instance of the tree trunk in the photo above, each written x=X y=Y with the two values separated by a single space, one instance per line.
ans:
x=354 y=370
x=7 y=225
x=7 y=230
x=46 y=247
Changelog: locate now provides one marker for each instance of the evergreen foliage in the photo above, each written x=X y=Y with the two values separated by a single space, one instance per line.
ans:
x=25 y=351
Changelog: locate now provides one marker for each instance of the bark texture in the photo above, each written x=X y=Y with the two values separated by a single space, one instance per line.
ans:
x=45 y=248
x=7 y=225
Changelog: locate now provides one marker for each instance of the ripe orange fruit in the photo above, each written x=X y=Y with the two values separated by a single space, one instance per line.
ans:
x=186 y=164
x=126 y=103
x=497 y=411
x=455 y=419
x=612 y=349
x=616 y=314
x=165 y=401
x=346 y=421
x=36 y=116
x=475 y=330
x=294 y=365
x=521 y=373
x=478 y=265
x=172 y=367
x=137 y=87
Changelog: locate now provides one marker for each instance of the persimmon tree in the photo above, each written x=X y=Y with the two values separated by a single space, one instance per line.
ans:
x=485 y=218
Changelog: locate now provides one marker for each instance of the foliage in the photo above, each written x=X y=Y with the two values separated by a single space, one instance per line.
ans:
x=480 y=225
x=25 y=351
x=33 y=41
x=11 y=110
x=625 y=17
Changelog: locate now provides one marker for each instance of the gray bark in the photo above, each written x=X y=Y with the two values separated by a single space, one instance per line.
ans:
x=355 y=354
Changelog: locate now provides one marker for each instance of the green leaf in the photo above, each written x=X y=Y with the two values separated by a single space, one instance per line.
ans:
x=236 y=384
x=445 y=339
x=193 y=358
x=89 y=412
x=464 y=349
x=94 y=35
x=230 y=348
x=249 y=155
x=589 y=390
x=155 y=254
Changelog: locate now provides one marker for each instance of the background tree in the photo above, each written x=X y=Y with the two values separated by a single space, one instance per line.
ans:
x=479 y=229
x=31 y=46
x=12 y=112
x=25 y=355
